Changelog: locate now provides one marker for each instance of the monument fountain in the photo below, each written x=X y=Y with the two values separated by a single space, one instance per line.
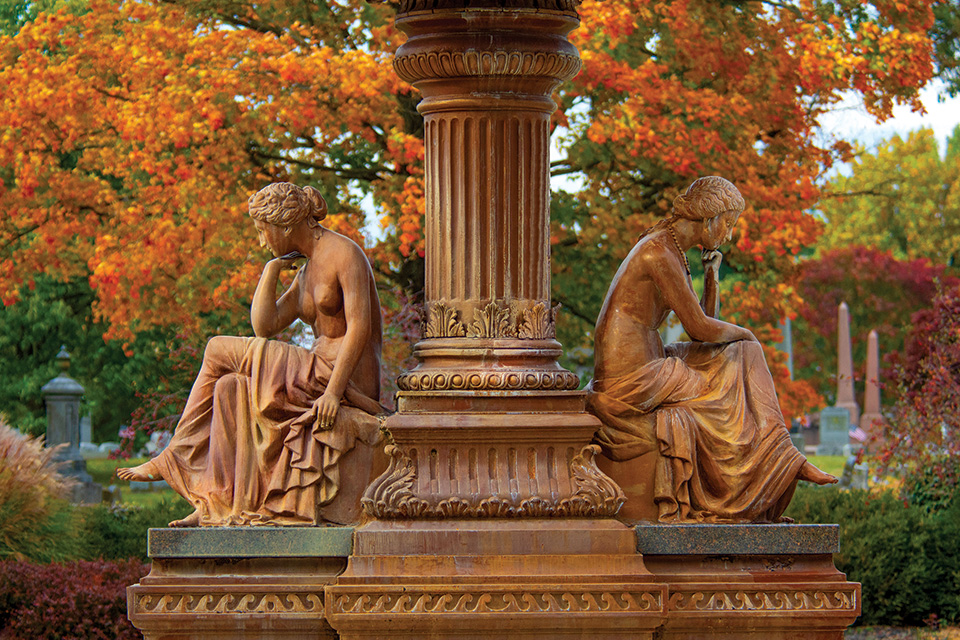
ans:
x=492 y=518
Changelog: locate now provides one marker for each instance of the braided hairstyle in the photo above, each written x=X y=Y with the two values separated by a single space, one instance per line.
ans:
x=284 y=204
x=703 y=201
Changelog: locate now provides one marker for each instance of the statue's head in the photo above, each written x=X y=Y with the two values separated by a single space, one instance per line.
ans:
x=283 y=204
x=714 y=202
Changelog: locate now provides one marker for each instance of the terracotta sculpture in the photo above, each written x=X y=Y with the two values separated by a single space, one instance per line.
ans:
x=708 y=408
x=269 y=427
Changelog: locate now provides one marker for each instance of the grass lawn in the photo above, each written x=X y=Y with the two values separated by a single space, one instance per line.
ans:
x=104 y=472
x=902 y=633
x=831 y=464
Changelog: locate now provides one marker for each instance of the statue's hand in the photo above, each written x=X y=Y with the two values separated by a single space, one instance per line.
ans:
x=711 y=259
x=286 y=261
x=327 y=407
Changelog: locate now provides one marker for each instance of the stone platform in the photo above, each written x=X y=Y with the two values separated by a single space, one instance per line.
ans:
x=769 y=582
x=238 y=582
x=528 y=578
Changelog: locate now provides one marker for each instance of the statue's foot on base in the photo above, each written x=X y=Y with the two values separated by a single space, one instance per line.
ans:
x=192 y=520
x=785 y=520
x=810 y=473
x=146 y=472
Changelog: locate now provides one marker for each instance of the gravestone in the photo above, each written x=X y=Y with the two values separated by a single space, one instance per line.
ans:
x=855 y=476
x=834 y=431
x=62 y=397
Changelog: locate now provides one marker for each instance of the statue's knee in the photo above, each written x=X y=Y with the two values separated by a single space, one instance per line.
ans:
x=216 y=346
x=752 y=349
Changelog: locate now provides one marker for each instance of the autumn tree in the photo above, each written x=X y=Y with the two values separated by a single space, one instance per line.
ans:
x=923 y=436
x=883 y=293
x=904 y=197
x=674 y=90
x=133 y=132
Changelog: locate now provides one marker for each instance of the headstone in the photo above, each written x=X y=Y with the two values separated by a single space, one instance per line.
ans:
x=854 y=476
x=62 y=396
x=845 y=397
x=86 y=430
x=834 y=431
x=872 y=420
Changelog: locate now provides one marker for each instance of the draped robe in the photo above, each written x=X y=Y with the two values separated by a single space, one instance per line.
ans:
x=711 y=413
x=248 y=449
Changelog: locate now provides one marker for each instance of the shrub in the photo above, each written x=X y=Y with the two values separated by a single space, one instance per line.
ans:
x=35 y=519
x=121 y=531
x=72 y=601
x=906 y=558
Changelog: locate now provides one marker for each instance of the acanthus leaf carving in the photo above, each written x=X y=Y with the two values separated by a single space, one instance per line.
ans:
x=595 y=490
x=536 y=324
x=493 y=321
x=442 y=322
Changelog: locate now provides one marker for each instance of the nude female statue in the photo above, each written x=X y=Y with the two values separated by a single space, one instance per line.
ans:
x=269 y=425
x=708 y=408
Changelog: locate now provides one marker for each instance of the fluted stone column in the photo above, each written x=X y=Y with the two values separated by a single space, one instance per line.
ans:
x=493 y=518
x=488 y=423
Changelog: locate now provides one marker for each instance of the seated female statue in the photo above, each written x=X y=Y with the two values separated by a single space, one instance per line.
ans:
x=707 y=409
x=273 y=433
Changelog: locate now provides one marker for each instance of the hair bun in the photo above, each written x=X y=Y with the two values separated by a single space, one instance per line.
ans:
x=318 y=206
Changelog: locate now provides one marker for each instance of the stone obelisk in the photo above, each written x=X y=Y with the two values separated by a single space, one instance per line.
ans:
x=845 y=395
x=872 y=417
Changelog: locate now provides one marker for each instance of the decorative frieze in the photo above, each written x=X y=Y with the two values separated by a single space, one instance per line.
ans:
x=495 y=482
x=452 y=64
x=438 y=602
x=844 y=599
x=240 y=602
x=493 y=320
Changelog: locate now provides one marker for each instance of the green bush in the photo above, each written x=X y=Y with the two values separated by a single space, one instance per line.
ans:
x=906 y=558
x=35 y=518
x=119 y=532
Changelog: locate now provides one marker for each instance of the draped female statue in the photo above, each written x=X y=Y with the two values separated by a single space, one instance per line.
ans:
x=273 y=433
x=707 y=408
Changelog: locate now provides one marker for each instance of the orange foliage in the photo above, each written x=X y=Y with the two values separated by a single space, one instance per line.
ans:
x=133 y=132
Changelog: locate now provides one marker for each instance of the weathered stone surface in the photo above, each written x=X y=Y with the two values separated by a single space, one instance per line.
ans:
x=249 y=542
x=727 y=539
x=238 y=582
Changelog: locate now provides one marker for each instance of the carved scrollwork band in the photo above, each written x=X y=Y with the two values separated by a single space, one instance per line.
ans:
x=230 y=603
x=487 y=381
x=395 y=495
x=755 y=600
x=414 y=67
x=568 y=6
x=438 y=602
x=494 y=320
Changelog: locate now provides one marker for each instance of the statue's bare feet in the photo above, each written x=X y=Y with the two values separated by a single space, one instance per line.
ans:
x=810 y=473
x=192 y=520
x=785 y=520
x=146 y=472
